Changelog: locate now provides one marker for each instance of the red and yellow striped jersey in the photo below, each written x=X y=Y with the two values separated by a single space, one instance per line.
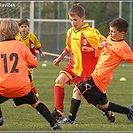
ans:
x=31 y=42
x=82 y=62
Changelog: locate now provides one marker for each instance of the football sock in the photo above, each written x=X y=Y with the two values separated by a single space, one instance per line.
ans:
x=59 y=97
x=117 y=108
x=74 y=108
x=43 y=110
x=0 y=113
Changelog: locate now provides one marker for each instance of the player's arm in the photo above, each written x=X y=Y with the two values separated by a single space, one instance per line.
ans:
x=61 y=56
x=42 y=53
x=87 y=49
x=37 y=45
x=98 y=50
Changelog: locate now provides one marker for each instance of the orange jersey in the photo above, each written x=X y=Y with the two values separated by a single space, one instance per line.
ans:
x=15 y=57
x=82 y=63
x=111 y=56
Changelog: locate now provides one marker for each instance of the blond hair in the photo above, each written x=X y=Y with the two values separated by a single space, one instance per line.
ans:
x=8 y=29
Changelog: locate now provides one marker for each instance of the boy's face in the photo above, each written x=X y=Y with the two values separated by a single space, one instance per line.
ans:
x=115 y=34
x=76 y=21
x=24 y=29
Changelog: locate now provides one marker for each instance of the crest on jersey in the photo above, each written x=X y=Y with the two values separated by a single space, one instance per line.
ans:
x=32 y=45
x=84 y=42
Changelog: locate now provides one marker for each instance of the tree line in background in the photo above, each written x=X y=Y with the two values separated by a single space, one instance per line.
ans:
x=101 y=12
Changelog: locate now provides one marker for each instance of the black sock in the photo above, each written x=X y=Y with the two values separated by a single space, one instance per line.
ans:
x=43 y=110
x=117 y=108
x=0 y=113
x=74 y=108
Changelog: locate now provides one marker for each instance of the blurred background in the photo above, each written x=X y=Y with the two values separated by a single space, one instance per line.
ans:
x=49 y=20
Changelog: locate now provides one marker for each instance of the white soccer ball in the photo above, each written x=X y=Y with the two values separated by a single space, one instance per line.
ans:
x=44 y=65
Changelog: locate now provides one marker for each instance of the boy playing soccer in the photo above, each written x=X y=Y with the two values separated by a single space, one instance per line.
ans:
x=82 y=63
x=15 y=58
x=32 y=43
x=111 y=53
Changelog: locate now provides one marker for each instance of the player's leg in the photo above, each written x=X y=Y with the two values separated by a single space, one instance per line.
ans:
x=1 y=117
x=59 y=94
x=30 y=74
x=31 y=99
x=128 y=111
x=109 y=114
x=44 y=111
x=2 y=99
x=34 y=88
x=75 y=104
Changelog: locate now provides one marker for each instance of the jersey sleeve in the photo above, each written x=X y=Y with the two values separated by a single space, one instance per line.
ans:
x=68 y=40
x=95 y=38
x=36 y=42
x=127 y=54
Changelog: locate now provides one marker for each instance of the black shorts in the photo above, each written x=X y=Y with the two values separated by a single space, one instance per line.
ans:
x=30 y=98
x=90 y=92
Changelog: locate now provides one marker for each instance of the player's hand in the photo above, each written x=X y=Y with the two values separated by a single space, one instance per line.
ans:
x=42 y=54
x=35 y=57
x=56 y=62
x=87 y=49
x=102 y=44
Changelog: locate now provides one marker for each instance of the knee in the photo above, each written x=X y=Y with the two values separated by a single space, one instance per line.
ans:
x=75 y=90
x=61 y=79
x=102 y=107
x=58 y=81
x=35 y=104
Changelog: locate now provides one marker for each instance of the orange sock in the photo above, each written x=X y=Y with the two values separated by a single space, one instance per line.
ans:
x=59 y=97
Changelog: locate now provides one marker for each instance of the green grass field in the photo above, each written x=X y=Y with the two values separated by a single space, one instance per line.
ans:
x=25 y=118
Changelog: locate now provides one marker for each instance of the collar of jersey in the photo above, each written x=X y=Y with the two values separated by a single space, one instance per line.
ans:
x=117 y=40
x=83 y=26
x=9 y=39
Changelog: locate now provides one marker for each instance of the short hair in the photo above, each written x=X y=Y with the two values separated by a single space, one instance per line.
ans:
x=23 y=21
x=8 y=29
x=120 y=23
x=76 y=9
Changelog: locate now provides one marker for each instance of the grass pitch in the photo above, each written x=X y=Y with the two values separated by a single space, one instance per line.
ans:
x=90 y=119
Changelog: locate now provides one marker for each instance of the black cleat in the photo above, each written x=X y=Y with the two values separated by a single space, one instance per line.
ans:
x=110 y=116
x=57 y=114
x=1 y=121
x=56 y=126
x=130 y=114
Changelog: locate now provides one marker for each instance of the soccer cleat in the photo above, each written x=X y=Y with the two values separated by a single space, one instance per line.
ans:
x=110 y=116
x=57 y=114
x=56 y=126
x=1 y=121
x=130 y=114
x=67 y=121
